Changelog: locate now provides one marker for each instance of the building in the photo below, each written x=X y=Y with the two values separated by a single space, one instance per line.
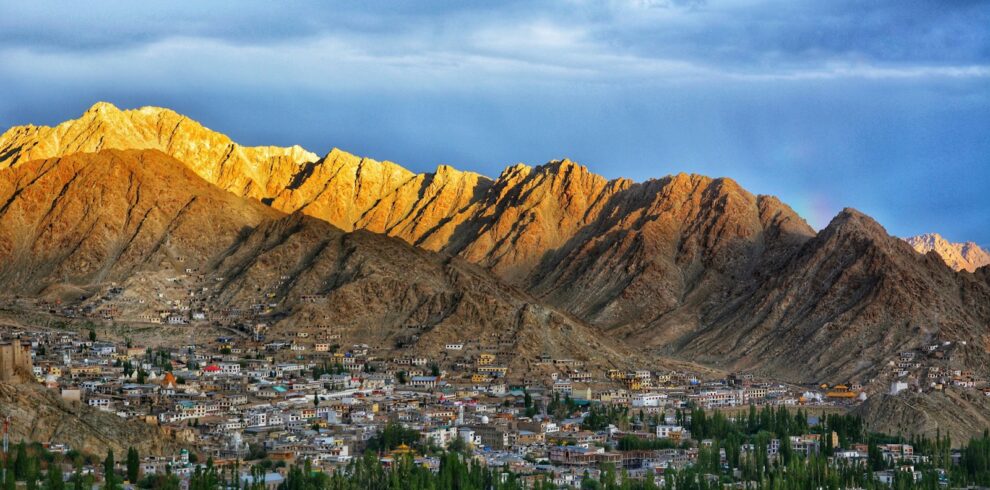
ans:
x=15 y=362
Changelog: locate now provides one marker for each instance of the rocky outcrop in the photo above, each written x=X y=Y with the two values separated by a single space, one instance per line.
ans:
x=39 y=414
x=960 y=256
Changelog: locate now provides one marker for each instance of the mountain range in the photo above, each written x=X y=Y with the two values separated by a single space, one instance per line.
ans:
x=549 y=259
x=960 y=256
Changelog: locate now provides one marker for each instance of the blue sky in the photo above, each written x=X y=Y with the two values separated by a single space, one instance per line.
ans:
x=882 y=106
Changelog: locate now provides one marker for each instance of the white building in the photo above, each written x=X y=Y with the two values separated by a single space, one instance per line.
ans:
x=668 y=431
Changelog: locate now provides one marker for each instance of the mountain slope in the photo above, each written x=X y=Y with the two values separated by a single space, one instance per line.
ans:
x=94 y=217
x=960 y=256
x=549 y=259
x=352 y=193
x=381 y=291
x=140 y=218
x=39 y=414
x=849 y=300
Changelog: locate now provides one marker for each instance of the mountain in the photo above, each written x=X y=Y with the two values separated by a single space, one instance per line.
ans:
x=960 y=256
x=684 y=265
x=257 y=172
x=611 y=251
x=90 y=218
x=541 y=259
x=69 y=226
x=845 y=303
x=556 y=230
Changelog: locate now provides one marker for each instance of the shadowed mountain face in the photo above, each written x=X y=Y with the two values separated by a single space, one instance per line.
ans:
x=685 y=265
x=843 y=305
x=139 y=217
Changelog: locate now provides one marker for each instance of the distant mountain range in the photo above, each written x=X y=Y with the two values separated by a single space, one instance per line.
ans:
x=960 y=256
x=550 y=259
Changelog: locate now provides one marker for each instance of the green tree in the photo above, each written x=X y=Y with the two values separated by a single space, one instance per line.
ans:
x=109 y=477
x=78 y=482
x=133 y=465
x=21 y=461
x=55 y=481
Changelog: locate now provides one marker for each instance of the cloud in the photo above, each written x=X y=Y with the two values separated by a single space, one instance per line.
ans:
x=487 y=57
x=730 y=35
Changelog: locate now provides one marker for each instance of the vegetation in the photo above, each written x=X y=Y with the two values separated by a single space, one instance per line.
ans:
x=133 y=465
x=735 y=450
x=455 y=472
x=327 y=368
x=633 y=443
x=561 y=409
x=601 y=416
x=392 y=436
x=109 y=472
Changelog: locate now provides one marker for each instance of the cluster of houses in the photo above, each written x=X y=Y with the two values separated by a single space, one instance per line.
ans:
x=931 y=368
x=307 y=398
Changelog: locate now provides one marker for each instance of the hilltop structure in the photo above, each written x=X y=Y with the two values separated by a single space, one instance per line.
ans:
x=15 y=362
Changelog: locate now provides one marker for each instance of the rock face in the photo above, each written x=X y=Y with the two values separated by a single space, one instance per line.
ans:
x=960 y=256
x=257 y=172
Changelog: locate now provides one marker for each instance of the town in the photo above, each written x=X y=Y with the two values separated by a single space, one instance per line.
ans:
x=272 y=403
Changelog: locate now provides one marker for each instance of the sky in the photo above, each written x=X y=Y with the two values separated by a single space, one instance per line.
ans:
x=883 y=106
